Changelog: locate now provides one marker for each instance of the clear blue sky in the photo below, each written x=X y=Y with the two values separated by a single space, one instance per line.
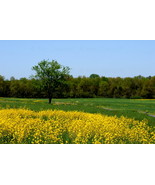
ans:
x=106 y=58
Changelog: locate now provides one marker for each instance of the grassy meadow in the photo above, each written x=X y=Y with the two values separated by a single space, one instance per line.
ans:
x=138 y=109
x=70 y=121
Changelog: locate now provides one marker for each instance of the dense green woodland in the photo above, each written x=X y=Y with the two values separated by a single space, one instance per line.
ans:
x=82 y=87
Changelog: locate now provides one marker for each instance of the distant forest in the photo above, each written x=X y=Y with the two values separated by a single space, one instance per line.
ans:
x=82 y=87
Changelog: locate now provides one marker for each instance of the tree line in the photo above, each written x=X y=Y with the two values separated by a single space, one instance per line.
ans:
x=52 y=80
x=81 y=87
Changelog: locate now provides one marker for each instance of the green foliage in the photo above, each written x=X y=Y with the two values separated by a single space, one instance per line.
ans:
x=52 y=75
x=94 y=76
x=54 y=81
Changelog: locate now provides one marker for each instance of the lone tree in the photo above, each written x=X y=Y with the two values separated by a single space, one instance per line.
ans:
x=52 y=75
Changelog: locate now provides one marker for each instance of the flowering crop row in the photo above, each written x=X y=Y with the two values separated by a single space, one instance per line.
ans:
x=25 y=126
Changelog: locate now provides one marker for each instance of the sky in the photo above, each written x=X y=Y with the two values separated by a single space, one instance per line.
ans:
x=110 y=58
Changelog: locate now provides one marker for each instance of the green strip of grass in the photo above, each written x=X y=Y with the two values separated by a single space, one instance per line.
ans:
x=136 y=109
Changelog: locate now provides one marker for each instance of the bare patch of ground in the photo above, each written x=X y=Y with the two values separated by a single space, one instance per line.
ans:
x=63 y=103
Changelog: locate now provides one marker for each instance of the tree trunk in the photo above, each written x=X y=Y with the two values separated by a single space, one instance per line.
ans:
x=50 y=100
x=50 y=95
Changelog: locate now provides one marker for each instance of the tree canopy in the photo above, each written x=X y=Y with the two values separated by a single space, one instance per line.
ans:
x=52 y=75
x=94 y=76
x=79 y=87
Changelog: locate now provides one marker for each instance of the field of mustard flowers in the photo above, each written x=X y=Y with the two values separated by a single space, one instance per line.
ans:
x=22 y=126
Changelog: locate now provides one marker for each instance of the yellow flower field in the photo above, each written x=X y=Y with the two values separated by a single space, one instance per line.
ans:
x=25 y=126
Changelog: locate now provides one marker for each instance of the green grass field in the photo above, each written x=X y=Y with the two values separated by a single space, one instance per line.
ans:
x=137 y=109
